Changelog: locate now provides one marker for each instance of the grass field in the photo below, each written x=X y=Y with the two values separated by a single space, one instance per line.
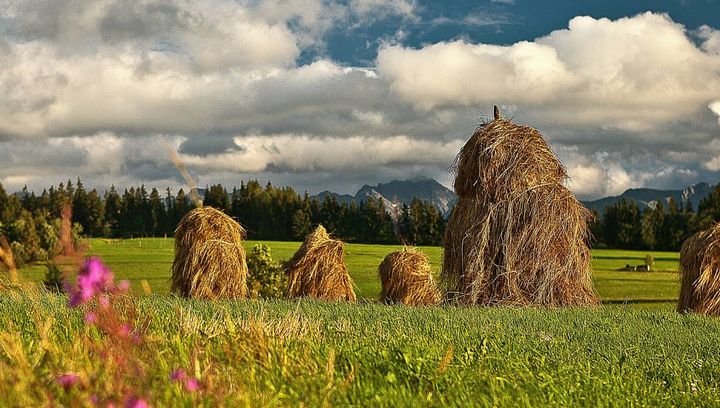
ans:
x=150 y=259
x=633 y=351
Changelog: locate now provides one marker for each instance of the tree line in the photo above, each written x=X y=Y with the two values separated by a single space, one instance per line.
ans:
x=31 y=221
x=663 y=226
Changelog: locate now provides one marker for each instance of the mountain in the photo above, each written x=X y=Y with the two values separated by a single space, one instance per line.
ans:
x=398 y=192
x=395 y=192
x=647 y=197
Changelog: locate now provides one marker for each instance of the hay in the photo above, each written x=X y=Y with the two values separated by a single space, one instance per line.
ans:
x=209 y=256
x=406 y=278
x=318 y=269
x=517 y=236
x=700 y=273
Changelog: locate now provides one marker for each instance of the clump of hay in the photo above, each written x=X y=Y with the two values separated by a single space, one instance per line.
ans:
x=318 y=269
x=209 y=256
x=406 y=277
x=700 y=273
x=517 y=235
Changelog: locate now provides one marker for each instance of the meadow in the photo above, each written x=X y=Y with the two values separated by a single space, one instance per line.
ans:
x=150 y=259
x=632 y=351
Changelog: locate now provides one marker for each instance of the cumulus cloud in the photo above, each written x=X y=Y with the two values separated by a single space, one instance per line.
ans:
x=97 y=89
x=633 y=73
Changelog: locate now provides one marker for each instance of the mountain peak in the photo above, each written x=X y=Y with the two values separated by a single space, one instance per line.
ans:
x=404 y=191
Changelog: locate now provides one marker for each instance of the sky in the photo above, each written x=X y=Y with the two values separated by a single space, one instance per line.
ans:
x=331 y=95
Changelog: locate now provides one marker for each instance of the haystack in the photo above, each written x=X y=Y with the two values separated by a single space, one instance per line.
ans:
x=318 y=269
x=700 y=273
x=406 y=277
x=517 y=235
x=209 y=256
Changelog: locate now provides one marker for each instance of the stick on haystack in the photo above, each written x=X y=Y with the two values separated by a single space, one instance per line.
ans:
x=700 y=273
x=318 y=269
x=517 y=235
x=209 y=256
x=406 y=277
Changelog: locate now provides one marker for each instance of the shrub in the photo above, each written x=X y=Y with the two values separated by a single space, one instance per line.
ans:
x=53 y=277
x=266 y=278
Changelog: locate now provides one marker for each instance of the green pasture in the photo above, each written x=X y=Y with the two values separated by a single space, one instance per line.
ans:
x=150 y=259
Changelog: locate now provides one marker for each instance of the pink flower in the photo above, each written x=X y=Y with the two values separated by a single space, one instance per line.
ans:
x=123 y=286
x=94 y=278
x=135 y=402
x=192 y=384
x=178 y=375
x=90 y=317
x=104 y=301
x=67 y=380
x=125 y=330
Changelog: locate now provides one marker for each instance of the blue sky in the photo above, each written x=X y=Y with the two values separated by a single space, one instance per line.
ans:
x=323 y=94
x=498 y=22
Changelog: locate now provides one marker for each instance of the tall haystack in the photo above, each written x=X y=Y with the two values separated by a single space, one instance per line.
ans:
x=318 y=269
x=700 y=273
x=517 y=235
x=209 y=256
x=406 y=277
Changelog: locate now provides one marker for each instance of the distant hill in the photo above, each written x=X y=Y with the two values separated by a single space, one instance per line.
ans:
x=398 y=192
x=647 y=197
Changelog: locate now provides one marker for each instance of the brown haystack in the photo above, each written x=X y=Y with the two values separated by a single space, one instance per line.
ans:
x=209 y=256
x=318 y=269
x=700 y=273
x=517 y=236
x=406 y=277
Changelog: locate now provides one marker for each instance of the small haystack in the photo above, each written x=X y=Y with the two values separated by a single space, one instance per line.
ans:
x=517 y=235
x=700 y=273
x=209 y=256
x=318 y=269
x=406 y=277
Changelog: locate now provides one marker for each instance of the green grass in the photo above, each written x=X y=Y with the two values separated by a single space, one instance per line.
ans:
x=374 y=355
x=150 y=259
x=632 y=351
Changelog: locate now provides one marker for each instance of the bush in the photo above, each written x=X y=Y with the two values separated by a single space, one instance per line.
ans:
x=266 y=277
x=53 y=277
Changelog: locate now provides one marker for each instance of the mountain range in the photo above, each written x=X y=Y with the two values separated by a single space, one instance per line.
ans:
x=444 y=199
x=395 y=192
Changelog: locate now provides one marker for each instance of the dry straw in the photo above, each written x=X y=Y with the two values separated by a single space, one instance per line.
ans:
x=318 y=269
x=517 y=236
x=406 y=278
x=700 y=273
x=209 y=256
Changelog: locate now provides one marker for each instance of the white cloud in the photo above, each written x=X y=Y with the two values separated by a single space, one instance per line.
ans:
x=633 y=73
x=302 y=153
x=715 y=108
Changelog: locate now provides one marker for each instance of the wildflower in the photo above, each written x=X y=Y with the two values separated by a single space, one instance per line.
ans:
x=67 y=380
x=124 y=330
x=192 y=384
x=178 y=375
x=90 y=317
x=135 y=402
x=123 y=286
x=94 y=278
